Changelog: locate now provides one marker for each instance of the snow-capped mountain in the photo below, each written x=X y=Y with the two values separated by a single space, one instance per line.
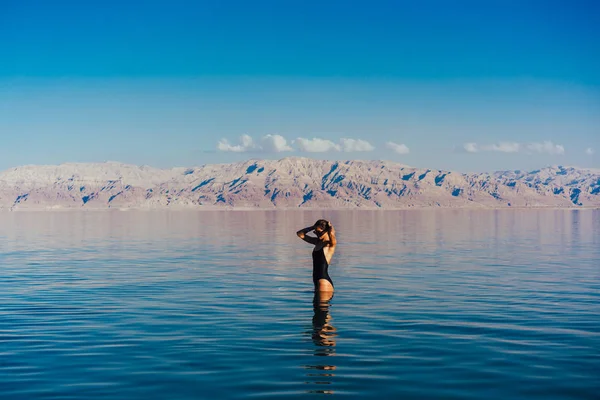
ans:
x=292 y=182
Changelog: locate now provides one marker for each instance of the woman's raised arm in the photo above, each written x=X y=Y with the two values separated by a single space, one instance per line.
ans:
x=332 y=239
x=302 y=235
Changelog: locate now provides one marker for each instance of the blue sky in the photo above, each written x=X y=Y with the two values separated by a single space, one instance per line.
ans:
x=465 y=85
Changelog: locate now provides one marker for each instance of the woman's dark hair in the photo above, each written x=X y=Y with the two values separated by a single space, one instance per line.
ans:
x=323 y=224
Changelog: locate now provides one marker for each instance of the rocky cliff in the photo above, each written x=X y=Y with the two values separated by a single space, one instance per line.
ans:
x=292 y=182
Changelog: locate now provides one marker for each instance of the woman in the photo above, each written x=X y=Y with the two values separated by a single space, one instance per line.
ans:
x=322 y=253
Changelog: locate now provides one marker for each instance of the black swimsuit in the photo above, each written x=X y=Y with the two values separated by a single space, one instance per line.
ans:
x=320 y=267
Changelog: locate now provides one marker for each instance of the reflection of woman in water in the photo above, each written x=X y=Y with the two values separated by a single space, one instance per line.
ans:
x=321 y=372
x=322 y=253
x=323 y=332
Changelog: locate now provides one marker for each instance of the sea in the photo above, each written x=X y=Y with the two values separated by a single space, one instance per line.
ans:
x=428 y=304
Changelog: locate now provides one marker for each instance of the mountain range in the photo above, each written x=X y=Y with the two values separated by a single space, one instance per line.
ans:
x=292 y=183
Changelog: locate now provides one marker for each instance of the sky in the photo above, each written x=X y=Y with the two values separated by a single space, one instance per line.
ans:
x=470 y=86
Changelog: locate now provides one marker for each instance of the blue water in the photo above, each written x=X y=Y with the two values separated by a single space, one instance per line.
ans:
x=193 y=305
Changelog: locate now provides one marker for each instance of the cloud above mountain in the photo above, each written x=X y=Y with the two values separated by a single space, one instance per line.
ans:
x=247 y=144
x=350 y=145
x=318 y=145
x=503 y=147
x=315 y=145
x=268 y=143
x=589 y=151
x=397 y=148
x=277 y=144
x=546 y=147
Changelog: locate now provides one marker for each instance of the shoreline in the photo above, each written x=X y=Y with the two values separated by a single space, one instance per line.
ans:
x=254 y=209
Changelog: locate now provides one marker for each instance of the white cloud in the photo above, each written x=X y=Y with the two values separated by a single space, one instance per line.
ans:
x=546 y=147
x=505 y=147
x=589 y=151
x=513 y=147
x=275 y=144
x=398 y=148
x=471 y=147
x=502 y=147
x=315 y=145
x=247 y=144
x=349 y=145
x=318 y=145
x=269 y=143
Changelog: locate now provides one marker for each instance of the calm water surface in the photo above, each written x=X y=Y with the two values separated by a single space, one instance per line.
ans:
x=192 y=305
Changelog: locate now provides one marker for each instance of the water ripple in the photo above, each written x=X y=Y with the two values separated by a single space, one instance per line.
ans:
x=220 y=305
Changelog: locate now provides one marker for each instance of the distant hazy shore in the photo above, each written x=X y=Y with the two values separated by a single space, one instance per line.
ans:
x=222 y=209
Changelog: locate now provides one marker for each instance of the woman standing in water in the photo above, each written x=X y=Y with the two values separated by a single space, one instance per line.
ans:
x=322 y=253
